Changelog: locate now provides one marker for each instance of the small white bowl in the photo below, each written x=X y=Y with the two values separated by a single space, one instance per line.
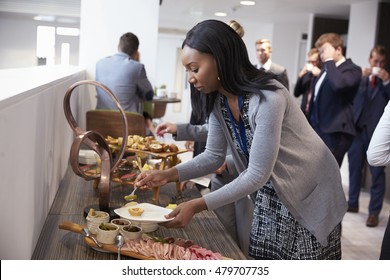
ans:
x=106 y=233
x=94 y=221
x=131 y=232
x=120 y=222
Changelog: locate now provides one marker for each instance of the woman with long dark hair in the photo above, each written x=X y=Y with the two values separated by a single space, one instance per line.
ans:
x=283 y=165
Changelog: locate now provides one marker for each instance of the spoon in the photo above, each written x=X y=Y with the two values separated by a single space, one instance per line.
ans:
x=87 y=233
x=119 y=243
x=131 y=196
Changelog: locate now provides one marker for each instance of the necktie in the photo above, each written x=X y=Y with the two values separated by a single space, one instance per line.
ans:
x=309 y=95
x=372 y=81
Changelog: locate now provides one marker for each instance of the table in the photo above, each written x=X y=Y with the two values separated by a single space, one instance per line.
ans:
x=74 y=194
x=158 y=106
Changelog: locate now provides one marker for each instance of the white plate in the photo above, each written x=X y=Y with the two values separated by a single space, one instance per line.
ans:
x=152 y=213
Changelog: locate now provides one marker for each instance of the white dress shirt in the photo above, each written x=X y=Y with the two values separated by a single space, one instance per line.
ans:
x=378 y=152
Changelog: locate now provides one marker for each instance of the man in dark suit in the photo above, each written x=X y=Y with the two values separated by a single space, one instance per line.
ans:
x=263 y=54
x=334 y=91
x=305 y=83
x=369 y=104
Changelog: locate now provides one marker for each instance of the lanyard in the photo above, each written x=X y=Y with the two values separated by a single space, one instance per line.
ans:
x=241 y=137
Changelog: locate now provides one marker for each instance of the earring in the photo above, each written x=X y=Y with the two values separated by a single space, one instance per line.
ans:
x=219 y=78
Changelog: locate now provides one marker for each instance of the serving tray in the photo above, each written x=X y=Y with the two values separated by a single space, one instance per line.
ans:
x=106 y=248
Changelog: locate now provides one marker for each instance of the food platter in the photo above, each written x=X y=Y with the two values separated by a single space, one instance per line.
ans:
x=152 y=213
x=155 y=154
x=133 y=252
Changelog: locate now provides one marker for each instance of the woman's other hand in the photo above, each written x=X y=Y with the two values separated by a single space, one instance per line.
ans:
x=184 y=212
x=189 y=145
x=166 y=127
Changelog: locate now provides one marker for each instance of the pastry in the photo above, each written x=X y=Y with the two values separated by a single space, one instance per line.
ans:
x=136 y=211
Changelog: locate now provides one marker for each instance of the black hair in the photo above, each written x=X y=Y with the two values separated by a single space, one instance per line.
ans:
x=235 y=71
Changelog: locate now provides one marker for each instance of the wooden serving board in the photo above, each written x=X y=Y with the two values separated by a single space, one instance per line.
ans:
x=107 y=248
x=158 y=155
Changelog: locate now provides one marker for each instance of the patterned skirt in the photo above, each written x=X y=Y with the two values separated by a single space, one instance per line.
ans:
x=276 y=234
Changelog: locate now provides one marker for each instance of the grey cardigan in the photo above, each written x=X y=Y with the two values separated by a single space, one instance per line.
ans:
x=286 y=150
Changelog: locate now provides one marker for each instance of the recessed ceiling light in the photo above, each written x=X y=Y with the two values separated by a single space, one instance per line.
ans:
x=248 y=3
x=220 y=14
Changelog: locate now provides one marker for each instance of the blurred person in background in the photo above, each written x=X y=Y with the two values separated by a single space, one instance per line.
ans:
x=335 y=88
x=370 y=101
x=125 y=76
x=305 y=84
x=263 y=54
x=378 y=154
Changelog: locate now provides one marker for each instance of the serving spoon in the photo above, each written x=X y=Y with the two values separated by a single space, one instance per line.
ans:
x=119 y=240
x=131 y=196
x=87 y=233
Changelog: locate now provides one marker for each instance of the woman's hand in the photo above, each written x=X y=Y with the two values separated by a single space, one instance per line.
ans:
x=221 y=169
x=166 y=127
x=155 y=178
x=184 y=212
x=189 y=145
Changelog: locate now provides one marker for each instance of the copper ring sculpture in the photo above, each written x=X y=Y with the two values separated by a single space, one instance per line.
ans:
x=95 y=141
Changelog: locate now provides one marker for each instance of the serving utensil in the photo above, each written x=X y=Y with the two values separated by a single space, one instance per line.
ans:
x=87 y=233
x=119 y=240
x=131 y=196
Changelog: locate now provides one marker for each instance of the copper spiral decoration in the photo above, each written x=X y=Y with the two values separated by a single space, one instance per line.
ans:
x=96 y=142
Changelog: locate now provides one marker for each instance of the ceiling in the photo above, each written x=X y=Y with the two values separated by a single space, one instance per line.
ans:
x=186 y=13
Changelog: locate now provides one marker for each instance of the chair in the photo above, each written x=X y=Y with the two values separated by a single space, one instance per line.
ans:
x=109 y=123
x=159 y=110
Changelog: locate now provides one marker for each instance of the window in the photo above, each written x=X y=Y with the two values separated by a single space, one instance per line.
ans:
x=46 y=45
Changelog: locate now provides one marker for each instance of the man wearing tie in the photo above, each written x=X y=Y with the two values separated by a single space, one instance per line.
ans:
x=263 y=54
x=334 y=91
x=306 y=77
x=369 y=103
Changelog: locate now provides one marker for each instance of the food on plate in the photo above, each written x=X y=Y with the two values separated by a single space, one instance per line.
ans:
x=149 y=143
x=171 y=206
x=136 y=211
x=173 y=148
x=156 y=148
x=169 y=249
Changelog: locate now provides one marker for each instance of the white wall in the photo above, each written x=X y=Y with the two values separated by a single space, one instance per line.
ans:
x=361 y=31
x=285 y=48
x=167 y=65
x=35 y=143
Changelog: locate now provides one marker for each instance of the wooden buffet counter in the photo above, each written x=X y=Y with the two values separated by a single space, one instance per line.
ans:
x=75 y=194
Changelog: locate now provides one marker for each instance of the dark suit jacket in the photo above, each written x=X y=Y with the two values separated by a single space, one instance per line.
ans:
x=333 y=104
x=302 y=87
x=369 y=104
